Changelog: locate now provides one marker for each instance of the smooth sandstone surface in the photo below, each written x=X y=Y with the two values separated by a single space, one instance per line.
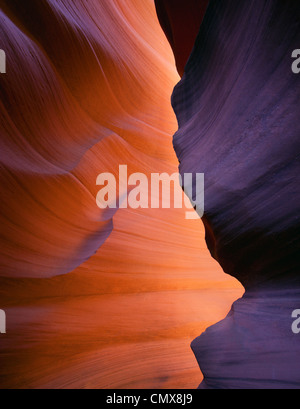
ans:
x=94 y=298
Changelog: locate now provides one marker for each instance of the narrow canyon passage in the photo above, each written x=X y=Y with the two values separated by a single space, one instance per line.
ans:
x=91 y=301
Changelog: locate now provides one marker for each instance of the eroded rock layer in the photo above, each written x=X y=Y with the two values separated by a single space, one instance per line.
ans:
x=238 y=111
x=91 y=302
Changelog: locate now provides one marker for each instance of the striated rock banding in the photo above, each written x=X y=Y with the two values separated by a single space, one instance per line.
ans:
x=238 y=107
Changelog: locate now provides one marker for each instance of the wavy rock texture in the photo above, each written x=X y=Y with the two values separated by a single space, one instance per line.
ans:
x=89 y=302
x=238 y=112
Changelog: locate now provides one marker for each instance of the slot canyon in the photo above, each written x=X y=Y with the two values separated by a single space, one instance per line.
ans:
x=113 y=298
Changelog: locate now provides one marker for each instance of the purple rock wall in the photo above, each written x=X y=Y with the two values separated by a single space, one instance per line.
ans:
x=238 y=111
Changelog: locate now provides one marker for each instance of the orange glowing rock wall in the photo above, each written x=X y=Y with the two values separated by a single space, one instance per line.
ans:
x=94 y=300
